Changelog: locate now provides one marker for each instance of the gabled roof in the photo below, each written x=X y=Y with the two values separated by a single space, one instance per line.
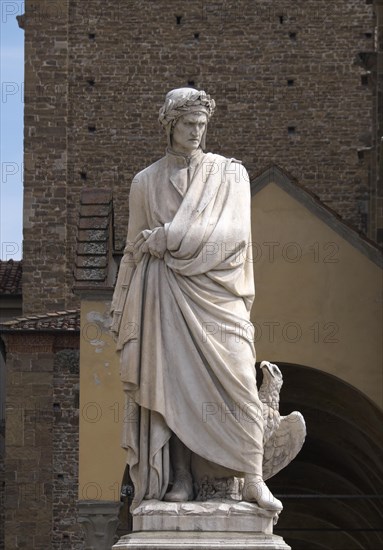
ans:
x=312 y=202
x=68 y=321
x=10 y=277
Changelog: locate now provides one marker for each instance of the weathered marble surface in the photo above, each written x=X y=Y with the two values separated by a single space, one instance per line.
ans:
x=182 y=314
x=181 y=318
x=216 y=515
x=283 y=436
x=164 y=540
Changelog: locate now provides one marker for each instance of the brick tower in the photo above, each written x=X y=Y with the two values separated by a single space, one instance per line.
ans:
x=296 y=85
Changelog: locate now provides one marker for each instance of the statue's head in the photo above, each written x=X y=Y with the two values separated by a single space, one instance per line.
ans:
x=185 y=101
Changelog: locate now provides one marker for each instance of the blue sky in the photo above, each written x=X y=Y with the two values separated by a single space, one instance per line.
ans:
x=11 y=132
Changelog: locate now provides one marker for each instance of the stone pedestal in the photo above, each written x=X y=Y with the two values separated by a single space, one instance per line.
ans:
x=207 y=525
x=191 y=540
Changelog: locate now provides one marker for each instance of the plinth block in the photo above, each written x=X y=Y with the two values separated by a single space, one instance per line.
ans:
x=208 y=525
x=191 y=540
x=211 y=515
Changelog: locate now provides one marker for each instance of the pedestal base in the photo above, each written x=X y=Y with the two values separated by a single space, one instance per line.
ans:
x=211 y=515
x=215 y=524
x=191 y=540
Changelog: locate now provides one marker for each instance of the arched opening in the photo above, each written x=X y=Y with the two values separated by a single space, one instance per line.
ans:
x=332 y=492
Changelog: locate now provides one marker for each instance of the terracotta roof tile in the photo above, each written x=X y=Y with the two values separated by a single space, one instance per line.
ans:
x=10 y=277
x=58 y=320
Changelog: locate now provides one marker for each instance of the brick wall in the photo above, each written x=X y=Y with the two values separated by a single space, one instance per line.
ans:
x=45 y=156
x=28 y=460
x=41 y=459
x=285 y=77
x=376 y=225
x=67 y=533
x=2 y=442
x=2 y=487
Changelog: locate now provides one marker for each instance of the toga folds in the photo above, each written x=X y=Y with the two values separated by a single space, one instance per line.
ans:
x=182 y=322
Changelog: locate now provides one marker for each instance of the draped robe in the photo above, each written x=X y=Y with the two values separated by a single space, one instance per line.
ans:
x=183 y=321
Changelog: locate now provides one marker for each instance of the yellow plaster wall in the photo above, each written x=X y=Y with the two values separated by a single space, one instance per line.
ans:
x=318 y=299
x=318 y=303
x=102 y=460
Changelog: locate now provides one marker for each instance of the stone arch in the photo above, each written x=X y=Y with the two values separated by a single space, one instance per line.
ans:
x=332 y=491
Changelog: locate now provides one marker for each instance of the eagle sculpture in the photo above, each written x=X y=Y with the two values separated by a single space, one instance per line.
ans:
x=283 y=438
x=283 y=435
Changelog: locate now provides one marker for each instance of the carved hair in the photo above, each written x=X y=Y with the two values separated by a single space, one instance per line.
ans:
x=182 y=101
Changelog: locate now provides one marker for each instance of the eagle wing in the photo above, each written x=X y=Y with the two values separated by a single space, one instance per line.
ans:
x=284 y=444
x=271 y=422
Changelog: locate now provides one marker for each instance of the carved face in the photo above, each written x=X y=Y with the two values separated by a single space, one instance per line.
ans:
x=188 y=132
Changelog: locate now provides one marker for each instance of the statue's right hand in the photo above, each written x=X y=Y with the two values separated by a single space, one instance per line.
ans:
x=150 y=241
x=136 y=246
x=156 y=243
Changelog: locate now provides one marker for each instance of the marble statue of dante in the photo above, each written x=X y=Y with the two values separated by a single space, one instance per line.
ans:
x=181 y=315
